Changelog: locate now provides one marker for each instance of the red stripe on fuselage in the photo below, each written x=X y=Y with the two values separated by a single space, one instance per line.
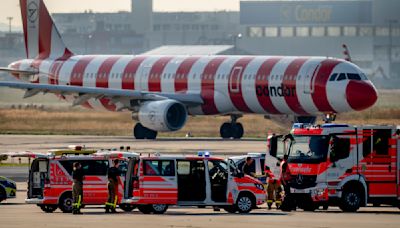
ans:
x=289 y=86
x=207 y=85
x=181 y=79
x=103 y=75
x=76 y=78
x=262 y=87
x=320 y=96
x=130 y=72
x=235 y=80
x=45 y=30
x=154 y=77
x=54 y=72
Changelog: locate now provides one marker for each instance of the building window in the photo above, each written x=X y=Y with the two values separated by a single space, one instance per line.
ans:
x=395 y=31
x=349 y=31
x=382 y=31
x=302 y=31
x=255 y=32
x=318 y=31
x=271 y=31
x=333 y=31
x=366 y=31
x=286 y=31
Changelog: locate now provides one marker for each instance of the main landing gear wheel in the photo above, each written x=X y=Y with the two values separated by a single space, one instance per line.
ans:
x=141 y=132
x=231 y=130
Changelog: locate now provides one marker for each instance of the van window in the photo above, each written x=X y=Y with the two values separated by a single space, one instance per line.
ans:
x=90 y=167
x=159 y=168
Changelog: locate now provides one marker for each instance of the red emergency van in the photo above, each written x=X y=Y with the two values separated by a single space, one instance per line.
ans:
x=154 y=183
x=50 y=180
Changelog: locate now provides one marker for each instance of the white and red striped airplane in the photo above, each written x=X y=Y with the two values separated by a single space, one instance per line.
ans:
x=164 y=90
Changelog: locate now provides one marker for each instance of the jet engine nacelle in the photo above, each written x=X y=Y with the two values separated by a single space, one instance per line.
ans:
x=164 y=115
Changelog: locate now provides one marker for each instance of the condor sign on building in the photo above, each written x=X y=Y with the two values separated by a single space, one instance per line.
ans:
x=371 y=28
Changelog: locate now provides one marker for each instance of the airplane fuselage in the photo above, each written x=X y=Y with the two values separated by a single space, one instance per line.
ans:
x=301 y=86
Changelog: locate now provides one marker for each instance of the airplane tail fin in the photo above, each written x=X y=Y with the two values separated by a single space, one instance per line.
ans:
x=42 y=39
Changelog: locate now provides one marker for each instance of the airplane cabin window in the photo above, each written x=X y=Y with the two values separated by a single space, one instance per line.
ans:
x=354 y=76
x=333 y=77
x=342 y=76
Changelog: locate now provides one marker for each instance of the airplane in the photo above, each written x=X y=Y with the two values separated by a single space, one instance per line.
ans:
x=162 y=91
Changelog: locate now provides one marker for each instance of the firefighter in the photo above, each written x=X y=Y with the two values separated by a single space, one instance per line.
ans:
x=249 y=167
x=288 y=203
x=113 y=174
x=77 y=188
x=274 y=190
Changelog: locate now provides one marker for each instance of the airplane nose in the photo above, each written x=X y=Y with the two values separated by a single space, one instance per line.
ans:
x=361 y=95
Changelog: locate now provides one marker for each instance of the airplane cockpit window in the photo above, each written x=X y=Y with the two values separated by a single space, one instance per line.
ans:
x=333 y=77
x=342 y=76
x=354 y=77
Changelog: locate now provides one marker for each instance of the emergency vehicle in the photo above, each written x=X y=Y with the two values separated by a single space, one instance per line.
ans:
x=343 y=165
x=257 y=165
x=50 y=178
x=8 y=188
x=154 y=183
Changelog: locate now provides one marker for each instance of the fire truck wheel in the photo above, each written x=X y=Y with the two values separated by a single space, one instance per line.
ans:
x=127 y=207
x=145 y=209
x=351 y=200
x=65 y=203
x=245 y=203
x=230 y=209
x=159 y=208
x=48 y=208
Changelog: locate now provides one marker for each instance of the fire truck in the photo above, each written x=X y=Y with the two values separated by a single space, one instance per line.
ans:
x=343 y=165
x=153 y=183
x=50 y=178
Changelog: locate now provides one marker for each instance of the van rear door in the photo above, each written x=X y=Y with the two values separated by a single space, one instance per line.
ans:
x=38 y=176
x=131 y=177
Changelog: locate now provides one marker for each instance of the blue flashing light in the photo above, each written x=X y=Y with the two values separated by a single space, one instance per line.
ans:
x=200 y=153
x=207 y=154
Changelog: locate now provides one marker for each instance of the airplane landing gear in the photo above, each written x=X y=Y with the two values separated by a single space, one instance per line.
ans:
x=141 y=132
x=232 y=129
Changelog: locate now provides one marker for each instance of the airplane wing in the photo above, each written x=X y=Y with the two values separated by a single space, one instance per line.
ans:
x=82 y=94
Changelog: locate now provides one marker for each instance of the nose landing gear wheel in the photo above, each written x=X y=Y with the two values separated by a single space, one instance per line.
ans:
x=141 y=132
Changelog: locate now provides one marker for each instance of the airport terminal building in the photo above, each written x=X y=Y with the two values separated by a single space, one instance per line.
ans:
x=370 y=28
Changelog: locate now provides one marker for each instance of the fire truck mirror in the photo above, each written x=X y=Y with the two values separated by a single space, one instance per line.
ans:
x=398 y=132
x=273 y=146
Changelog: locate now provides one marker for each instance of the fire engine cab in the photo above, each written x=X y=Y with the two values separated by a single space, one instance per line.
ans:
x=343 y=165
x=50 y=178
x=153 y=183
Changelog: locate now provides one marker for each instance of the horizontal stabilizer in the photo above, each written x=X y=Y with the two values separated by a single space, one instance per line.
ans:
x=14 y=71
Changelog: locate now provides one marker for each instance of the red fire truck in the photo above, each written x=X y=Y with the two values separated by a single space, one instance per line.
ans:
x=50 y=180
x=154 y=183
x=343 y=165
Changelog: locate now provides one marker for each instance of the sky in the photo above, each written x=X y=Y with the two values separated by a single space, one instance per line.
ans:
x=10 y=8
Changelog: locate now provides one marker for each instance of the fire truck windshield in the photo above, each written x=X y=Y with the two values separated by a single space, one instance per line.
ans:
x=308 y=149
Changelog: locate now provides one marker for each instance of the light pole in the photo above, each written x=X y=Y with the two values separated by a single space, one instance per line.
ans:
x=9 y=23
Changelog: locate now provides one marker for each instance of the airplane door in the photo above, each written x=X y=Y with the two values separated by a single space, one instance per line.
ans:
x=144 y=78
x=309 y=79
x=234 y=79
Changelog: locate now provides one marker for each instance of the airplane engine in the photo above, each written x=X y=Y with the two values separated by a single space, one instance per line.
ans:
x=164 y=115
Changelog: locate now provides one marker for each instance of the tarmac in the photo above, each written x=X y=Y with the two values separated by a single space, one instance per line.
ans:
x=15 y=213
